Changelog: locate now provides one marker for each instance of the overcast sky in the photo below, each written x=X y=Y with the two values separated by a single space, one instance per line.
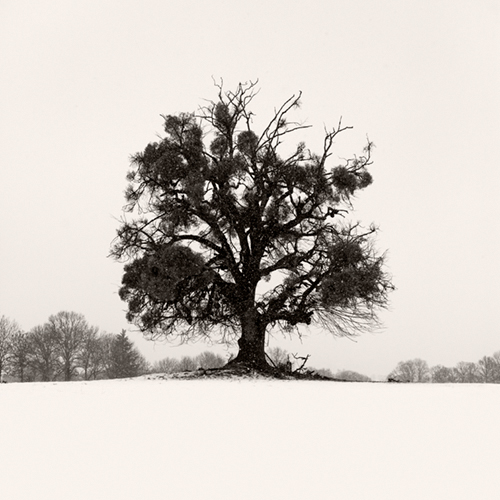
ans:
x=83 y=85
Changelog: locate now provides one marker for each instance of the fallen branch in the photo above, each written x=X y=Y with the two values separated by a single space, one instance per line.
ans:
x=304 y=361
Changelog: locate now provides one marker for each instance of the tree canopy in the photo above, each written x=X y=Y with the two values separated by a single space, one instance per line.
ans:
x=224 y=235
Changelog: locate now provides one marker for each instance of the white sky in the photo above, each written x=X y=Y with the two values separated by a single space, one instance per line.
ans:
x=82 y=86
x=220 y=440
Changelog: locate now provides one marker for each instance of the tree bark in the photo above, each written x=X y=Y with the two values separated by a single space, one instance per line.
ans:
x=252 y=341
x=67 y=371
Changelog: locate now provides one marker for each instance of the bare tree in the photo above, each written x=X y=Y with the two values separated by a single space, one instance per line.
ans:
x=7 y=329
x=43 y=355
x=208 y=360
x=280 y=358
x=414 y=370
x=143 y=365
x=324 y=372
x=442 y=374
x=352 y=376
x=19 y=358
x=89 y=355
x=187 y=364
x=101 y=363
x=496 y=357
x=466 y=372
x=488 y=370
x=166 y=365
x=69 y=328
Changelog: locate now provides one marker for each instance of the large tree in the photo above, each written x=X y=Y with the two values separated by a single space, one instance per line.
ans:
x=466 y=372
x=43 y=353
x=227 y=235
x=442 y=374
x=413 y=370
x=69 y=329
x=92 y=354
x=488 y=370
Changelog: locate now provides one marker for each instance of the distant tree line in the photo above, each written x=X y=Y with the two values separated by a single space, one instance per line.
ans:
x=206 y=360
x=486 y=370
x=66 y=348
x=277 y=357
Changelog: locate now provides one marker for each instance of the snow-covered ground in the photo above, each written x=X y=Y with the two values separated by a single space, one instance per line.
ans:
x=248 y=439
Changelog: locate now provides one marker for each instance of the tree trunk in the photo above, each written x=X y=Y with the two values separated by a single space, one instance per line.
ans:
x=67 y=371
x=252 y=341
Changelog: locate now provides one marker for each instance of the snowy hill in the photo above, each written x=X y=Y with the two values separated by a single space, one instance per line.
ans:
x=248 y=439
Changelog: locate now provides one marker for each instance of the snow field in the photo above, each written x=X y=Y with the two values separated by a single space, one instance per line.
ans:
x=248 y=439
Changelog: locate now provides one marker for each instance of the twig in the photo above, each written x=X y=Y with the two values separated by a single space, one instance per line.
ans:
x=304 y=361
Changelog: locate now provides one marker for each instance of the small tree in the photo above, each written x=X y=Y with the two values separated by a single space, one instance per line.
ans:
x=442 y=374
x=213 y=222
x=488 y=370
x=352 y=376
x=466 y=372
x=90 y=357
x=187 y=364
x=496 y=359
x=324 y=372
x=280 y=358
x=208 y=360
x=43 y=353
x=414 y=370
x=125 y=359
x=166 y=365
x=8 y=329
x=19 y=359
x=101 y=362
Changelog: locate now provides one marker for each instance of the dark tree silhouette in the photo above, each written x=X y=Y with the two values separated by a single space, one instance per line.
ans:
x=8 y=329
x=413 y=370
x=166 y=365
x=19 y=359
x=280 y=358
x=466 y=372
x=442 y=374
x=352 y=376
x=43 y=353
x=208 y=360
x=488 y=370
x=69 y=329
x=125 y=359
x=228 y=237
x=94 y=353
x=187 y=364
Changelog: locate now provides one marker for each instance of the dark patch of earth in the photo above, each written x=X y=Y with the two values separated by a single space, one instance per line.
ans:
x=240 y=372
